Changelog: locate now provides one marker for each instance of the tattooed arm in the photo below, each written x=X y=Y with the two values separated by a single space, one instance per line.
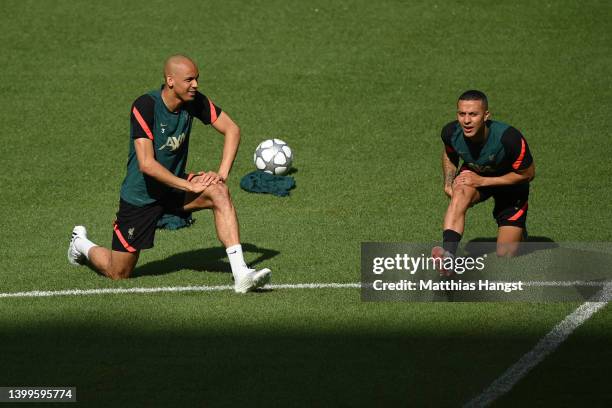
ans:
x=449 y=169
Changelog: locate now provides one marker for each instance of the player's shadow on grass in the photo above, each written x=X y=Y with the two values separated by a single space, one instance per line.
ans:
x=486 y=245
x=202 y=260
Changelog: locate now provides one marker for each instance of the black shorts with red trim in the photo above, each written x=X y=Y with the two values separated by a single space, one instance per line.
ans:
x=511 y=203
x=134 y=228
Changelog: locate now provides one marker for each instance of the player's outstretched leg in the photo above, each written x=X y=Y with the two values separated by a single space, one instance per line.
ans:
x=218 y=198
x=113 y=264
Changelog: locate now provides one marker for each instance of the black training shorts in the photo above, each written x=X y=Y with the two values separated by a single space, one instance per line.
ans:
x=134 y=228
x=510 y=203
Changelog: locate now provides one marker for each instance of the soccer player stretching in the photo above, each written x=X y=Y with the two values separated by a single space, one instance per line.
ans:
x=496 y=163
x=156 y=181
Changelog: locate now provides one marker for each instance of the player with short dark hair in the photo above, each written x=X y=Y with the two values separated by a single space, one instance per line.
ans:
x=156 y=181
x=496 y=162
x=475 y=95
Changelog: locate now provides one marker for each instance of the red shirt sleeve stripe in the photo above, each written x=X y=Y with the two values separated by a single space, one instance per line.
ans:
x=142 y=122
x=518 y=161
x=213 y=112
x=122 y=240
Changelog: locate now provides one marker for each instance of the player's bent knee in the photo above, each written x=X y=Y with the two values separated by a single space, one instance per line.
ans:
x=215 y=190
x=462 y=197
x=115 y=276
x=463 y=192
x=507 y=250
x=119 y=273
x=121 y=265
x=219 y=194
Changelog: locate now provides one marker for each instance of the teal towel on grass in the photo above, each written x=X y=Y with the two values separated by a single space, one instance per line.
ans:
x=261 y=182
x=174 y=221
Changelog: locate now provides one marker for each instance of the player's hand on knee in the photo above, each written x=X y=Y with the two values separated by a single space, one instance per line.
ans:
x=198 y=183
x=206 y=178
x=199 y=178
x=197 y=187
x=468 y=178
x=211 y=178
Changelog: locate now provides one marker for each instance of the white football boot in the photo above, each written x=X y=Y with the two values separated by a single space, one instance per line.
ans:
x=251 y=279
x=74 y=256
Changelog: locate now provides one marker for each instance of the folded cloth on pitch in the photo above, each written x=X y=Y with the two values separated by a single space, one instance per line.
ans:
x=175 y=221
x=261 y=182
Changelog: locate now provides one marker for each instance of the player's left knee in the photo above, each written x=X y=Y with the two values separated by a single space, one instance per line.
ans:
x=119 y=273
x=219 y=194
x=507 y=250
x=462 y=197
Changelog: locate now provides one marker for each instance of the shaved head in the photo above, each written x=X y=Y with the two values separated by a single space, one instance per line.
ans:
x=176 y=63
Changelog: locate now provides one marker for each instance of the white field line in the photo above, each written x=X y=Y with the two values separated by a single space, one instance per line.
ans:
x=204 y=288
x=498 y=388
x=543 y=348
x=114 y=291
x=560 y=284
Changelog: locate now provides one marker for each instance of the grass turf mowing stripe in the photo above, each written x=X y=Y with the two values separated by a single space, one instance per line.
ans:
x=543 y=348
x=204 y=288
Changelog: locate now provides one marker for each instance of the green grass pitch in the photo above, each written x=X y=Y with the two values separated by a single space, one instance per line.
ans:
x=359 y=90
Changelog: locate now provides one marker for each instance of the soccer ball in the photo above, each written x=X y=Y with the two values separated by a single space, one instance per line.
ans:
x=273 y=156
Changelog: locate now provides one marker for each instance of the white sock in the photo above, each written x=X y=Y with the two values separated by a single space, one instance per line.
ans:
x=234 y=253
x=83 y=245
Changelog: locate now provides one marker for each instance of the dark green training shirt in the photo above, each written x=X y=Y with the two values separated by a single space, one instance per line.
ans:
x=505 y=149
x=169 y=132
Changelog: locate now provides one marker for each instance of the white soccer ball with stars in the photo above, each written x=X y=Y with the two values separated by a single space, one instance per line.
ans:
x=273 y=156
